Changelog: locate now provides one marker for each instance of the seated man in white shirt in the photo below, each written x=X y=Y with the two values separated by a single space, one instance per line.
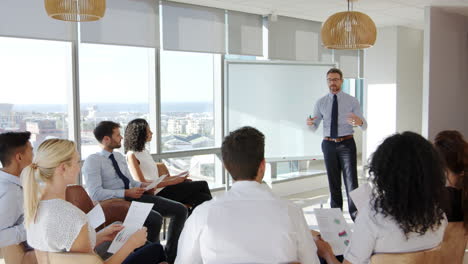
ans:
x=15 y=154
x=248 y=224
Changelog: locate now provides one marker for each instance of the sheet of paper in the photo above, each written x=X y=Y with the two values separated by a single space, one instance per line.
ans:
x=155 y=182
x=362 y=195
x=190 y=170
x=121 y=238
x=136 y=216
x=96 y=216
x=333 y=228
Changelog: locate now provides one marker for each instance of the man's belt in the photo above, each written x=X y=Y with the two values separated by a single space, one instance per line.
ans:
x=340 y=139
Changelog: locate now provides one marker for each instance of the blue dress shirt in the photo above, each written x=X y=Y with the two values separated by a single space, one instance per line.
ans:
x=12 y=230
x=100 y=179
x=346 y=104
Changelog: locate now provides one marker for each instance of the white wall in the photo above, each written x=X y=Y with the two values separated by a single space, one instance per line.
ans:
x=409 y=79
x=445 y=90
x=394 y=65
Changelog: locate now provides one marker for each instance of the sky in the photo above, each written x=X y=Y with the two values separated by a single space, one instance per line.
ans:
x=40 y=72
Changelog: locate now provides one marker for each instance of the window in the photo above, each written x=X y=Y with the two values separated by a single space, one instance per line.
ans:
x=188 y=81
x=202 y=167
x=355 y=87
x=35 y=87
x=116 y=83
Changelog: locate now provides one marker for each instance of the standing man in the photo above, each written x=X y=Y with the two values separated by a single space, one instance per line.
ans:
x=340 y=112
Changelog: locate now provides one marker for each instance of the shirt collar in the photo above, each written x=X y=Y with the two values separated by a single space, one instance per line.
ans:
x=106 y=153
x=338 y=95
x=10 y=178
x=245 y=184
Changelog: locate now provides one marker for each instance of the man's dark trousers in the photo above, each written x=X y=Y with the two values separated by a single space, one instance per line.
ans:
x=341 y=157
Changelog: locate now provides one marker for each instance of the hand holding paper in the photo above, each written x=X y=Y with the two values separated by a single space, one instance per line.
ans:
x=333 y=228
x=155 y=182
x=134 y=220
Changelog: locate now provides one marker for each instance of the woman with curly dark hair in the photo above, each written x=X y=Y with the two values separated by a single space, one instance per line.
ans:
x=404 y=212
x=144 y=169
x=454 y=151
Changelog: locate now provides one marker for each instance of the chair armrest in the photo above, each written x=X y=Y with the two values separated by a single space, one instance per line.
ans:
x=69 y=258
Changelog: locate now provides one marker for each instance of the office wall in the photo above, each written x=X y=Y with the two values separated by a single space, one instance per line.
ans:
x=393 y=72
x=445 y=72
x=409 y=72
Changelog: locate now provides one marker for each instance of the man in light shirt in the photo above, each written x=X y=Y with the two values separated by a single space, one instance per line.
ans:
x=248 y=224
x=15 y=154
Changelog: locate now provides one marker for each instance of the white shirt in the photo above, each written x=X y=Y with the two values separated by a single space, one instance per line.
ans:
x=57 y=225
x=11 y=215
x=248 y=224
x=147 y=166
x=374 y=233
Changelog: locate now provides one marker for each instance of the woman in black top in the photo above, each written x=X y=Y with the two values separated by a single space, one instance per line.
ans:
x=454 y=151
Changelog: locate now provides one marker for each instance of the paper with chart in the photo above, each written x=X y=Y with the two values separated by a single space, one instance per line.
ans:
x=333 y=228
x=155 y=182
x=96 y=216
x=362 y=195
x=134 y=220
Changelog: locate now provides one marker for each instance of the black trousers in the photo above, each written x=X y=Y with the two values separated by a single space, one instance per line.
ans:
x=341 y=157
x=193 y=193
x=148 y=254
x=163 y=207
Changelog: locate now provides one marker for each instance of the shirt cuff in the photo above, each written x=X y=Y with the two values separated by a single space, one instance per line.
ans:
x=120 y=193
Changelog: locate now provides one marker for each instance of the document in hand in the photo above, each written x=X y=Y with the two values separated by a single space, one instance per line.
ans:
x=134 y=220
x=333 y=228
x=96 y=216
x=156 y=182
x=189 y=170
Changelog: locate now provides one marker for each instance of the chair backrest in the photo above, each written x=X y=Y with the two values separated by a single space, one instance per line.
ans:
x=430 y=256
x=77 y=195
x=115 y=210
x=13 y=254
x=162 y=169
x=454 y=243
x=68 y=258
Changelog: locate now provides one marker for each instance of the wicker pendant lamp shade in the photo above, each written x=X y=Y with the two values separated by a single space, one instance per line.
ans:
x=76 y=10
x=349 y=30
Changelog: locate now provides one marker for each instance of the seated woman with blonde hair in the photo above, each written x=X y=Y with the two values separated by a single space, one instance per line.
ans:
x=55 y=225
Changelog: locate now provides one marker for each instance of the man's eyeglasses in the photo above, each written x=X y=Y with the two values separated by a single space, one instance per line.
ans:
x=333 y=80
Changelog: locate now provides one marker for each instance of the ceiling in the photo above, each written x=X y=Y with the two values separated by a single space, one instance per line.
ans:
x=384 y=12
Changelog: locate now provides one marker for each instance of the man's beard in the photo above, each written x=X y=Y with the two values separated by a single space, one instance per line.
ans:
x=115 y=145
x=334 y=88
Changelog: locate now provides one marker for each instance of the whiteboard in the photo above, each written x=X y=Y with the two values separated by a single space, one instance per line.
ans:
x=276 y=98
